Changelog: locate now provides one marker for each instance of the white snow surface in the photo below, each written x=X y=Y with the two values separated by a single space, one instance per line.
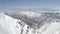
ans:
x=7 y=24
x=53 y=28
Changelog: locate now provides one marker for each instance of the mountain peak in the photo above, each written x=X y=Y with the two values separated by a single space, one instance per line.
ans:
x=29 y=14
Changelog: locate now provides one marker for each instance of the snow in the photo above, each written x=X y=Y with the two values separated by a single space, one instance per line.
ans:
x=25 y=29
x=7 y=24
x=53 y=28
x=30 y=14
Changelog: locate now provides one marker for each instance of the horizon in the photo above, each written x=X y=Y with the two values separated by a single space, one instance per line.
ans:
x=28 y=4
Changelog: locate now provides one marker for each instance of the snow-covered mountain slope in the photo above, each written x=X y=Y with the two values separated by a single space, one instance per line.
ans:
x=27 y=17
x=8 y=24
x=33 y=19
x=32 y=23
x=52 y=28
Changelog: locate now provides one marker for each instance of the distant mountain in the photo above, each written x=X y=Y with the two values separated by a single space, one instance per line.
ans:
x=53 y=15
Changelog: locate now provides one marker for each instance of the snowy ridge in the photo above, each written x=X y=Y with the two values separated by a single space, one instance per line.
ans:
x=13 y=26
x=29 y=18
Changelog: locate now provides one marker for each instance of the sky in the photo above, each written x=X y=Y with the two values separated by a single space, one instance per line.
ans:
x=30 y=3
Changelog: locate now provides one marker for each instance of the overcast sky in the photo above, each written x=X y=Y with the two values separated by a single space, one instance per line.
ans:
x=30 y=3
